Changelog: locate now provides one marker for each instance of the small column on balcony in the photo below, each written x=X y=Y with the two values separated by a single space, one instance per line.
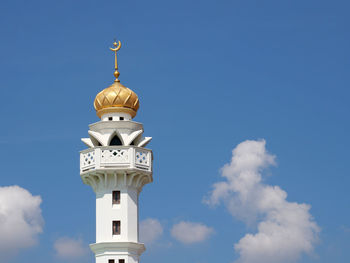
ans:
x=132 y=150
x=97 y=157
x=117 y=166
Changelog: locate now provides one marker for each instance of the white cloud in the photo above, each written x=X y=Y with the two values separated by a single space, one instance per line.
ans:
x=189 y=232
x=69 y=248
x=20 y=220
x=285 y=229
x=150 y=230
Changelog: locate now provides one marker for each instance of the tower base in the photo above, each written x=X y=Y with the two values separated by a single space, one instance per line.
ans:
x=118 y=251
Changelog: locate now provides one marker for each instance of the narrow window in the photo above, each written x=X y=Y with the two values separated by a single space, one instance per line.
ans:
x=116 y=198
x=111 y=261
x=121 y=118
x=121 y=260
x=116 y=227
x=110 y=119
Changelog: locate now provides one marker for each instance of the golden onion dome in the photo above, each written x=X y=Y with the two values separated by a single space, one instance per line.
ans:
x=117 y=97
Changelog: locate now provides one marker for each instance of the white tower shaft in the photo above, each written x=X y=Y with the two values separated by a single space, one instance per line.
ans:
x=126 y=212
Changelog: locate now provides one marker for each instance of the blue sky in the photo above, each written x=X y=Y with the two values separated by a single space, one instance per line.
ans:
x=209 y=75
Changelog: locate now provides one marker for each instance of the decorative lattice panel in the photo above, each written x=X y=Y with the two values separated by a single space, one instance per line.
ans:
x=88 y=159
x=115 y=156
x=142 y=157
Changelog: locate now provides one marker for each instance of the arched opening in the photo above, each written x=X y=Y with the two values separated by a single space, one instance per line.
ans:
x=116 y=141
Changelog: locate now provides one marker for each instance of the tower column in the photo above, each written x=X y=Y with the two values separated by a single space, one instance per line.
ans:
x=125 y=212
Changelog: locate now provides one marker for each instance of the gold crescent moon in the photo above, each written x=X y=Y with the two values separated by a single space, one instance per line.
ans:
x=119 y=45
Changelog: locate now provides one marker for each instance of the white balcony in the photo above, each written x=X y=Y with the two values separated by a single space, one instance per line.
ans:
x=116 y=158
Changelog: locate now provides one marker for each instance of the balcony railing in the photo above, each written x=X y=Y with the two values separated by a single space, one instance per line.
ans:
x=116 y=157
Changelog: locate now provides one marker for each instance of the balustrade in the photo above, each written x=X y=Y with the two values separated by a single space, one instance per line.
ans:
x=114 y=157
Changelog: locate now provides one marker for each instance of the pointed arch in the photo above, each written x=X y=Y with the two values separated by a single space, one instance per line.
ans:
x=132 y=138
x=96 y=138
x=115 y=139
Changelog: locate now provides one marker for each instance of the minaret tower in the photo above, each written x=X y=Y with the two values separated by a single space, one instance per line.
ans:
x=116 y=166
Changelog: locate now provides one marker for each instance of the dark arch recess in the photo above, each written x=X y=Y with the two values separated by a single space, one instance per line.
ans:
x=115 y=141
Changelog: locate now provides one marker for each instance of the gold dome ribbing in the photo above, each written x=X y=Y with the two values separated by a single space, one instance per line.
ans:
x=117 y=97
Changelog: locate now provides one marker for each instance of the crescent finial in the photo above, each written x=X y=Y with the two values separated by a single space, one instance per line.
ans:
x=117 y=46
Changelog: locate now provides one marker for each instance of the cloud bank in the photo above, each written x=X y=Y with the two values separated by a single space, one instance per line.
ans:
x=20 y=220
x=150 y=230
x=69 y=248
x=189 y=232
x=285 y=230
